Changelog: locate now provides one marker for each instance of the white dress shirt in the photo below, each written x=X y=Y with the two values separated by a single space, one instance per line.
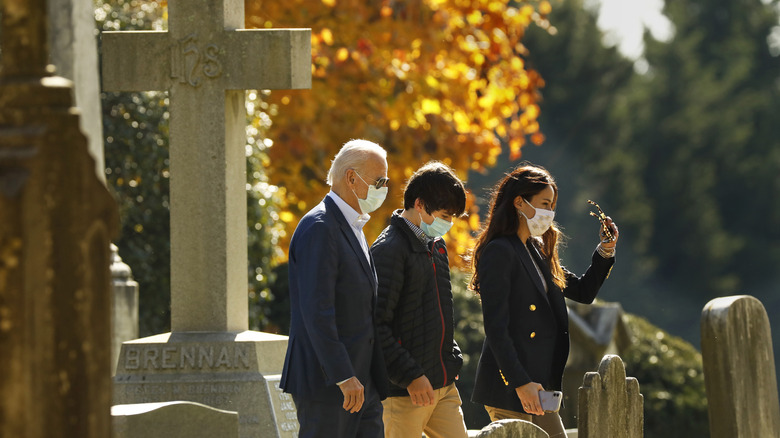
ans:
x=354 y=219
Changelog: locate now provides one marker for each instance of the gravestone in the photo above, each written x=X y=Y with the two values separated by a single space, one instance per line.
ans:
x=74 y=52
x=125 y=305
x=739 y=369
x=206 y=61
x=596 y=330
x=173 y=420
x=512 y=429
x=56 y=221
x=610 y=404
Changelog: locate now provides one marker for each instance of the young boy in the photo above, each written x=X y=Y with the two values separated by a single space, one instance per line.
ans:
x=415 y=309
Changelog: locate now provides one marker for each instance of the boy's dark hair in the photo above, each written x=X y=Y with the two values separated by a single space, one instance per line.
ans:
x=438 y=187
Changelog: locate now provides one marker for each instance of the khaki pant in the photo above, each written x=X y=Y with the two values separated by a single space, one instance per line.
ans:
x=442 y=419
x=550 y=422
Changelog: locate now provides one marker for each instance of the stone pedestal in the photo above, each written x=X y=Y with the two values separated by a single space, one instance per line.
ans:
x=234 y=371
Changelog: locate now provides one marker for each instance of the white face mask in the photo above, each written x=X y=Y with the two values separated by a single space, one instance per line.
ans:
x=541 y=221
x=374 y=198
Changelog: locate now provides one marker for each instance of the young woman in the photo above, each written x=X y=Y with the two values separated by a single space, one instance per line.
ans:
x=522 y=285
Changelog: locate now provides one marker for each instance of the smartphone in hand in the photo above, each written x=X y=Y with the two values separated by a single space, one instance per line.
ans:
x=550 y=400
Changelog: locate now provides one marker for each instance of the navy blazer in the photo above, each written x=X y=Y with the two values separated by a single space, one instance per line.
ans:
x=332 y=300
x=526 y=328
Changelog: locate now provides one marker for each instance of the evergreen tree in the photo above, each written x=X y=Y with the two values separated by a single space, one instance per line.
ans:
x=709 y=145
x=685 y=157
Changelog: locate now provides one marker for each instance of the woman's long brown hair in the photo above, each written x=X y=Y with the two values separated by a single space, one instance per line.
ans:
x=503 y=219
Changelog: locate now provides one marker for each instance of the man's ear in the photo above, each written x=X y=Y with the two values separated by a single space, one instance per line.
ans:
x=419 y=204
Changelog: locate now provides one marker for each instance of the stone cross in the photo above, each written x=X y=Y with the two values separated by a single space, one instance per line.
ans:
x=56 y=221
x=609 y=403
x=206 y=61
x=739 y=368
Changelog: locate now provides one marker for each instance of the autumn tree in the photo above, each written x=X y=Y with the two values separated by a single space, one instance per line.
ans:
x=426 y=79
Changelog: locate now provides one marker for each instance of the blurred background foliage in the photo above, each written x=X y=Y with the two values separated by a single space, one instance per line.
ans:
x=680 y=147
x=428 y=79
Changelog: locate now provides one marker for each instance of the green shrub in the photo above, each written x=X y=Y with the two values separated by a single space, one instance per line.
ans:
x=671 y=379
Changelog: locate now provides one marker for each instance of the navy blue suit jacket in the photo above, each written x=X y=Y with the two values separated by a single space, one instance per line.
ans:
x=332 y=300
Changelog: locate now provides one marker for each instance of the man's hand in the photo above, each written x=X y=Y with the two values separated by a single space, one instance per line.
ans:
x=421 y=391
x=529 y=397
x=353 y=395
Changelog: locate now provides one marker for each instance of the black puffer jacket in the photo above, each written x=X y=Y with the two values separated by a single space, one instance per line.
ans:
x=414 y=308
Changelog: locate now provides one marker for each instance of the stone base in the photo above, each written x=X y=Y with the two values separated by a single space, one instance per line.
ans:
x=179 y=419
x=229 y=371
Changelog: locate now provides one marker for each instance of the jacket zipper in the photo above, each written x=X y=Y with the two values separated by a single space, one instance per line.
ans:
x=441 y=316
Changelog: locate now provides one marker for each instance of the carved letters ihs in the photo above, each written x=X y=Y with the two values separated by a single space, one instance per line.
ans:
x=189 y=59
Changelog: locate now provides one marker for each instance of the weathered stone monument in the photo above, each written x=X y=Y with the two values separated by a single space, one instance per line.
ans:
x=125 y=305
x=596 y=330
x=206 y=61
x=511 y=429
x=739 y=369
x=610 y=405
x=56 y=221
x=74 y=53
x=73 y=50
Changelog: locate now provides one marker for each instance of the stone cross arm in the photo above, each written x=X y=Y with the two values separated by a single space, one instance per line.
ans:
x=232 y=60
x=206 y=64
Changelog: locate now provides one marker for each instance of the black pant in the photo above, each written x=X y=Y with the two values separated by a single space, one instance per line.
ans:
x=320 y=419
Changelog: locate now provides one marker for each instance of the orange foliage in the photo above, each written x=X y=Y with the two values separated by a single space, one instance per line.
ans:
x=426 y=79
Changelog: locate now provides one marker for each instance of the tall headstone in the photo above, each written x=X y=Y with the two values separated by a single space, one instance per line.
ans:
x=74 y=53
x=125 y=305
x=739 y=369
x=610 y=404
x=56 y=221
x=206 y=61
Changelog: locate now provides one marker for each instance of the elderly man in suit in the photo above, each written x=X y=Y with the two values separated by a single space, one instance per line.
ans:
x=334 y=367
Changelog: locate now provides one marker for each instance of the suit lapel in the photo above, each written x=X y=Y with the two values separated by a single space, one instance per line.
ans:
x=554 y=295
x=525 y=258
x=346 y=229
x=543 y=265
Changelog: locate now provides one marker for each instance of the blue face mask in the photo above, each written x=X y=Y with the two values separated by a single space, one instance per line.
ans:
x=437 y=228
x=374 y=198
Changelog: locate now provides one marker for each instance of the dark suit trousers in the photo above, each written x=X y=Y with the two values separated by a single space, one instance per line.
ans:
x=320 y=419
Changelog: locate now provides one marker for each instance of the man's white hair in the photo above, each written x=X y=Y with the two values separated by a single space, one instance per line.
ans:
x=352 y=155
